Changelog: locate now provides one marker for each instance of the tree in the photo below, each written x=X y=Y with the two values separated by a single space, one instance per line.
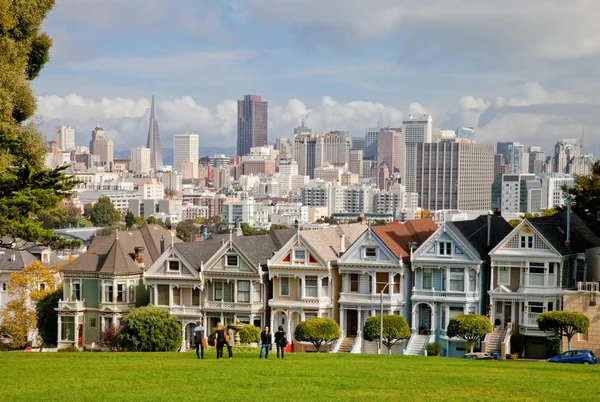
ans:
x=129 y=220
x=47 y=317
x=103 y=213
x=317 y=331
x=214 y=224
x=586 y=197
x=469 y=327
x=395 y=328
x=564 y=323
x=527 y=215
x=187 y=230
x=26 y=289
x=27 y=188
x=168 y=223
x=150 y=329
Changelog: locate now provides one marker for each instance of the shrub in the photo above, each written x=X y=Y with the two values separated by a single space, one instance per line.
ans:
x=250 y=334
x=395 y=328
x=47 y=317
x=150 y=329
x=317 y=331
x=564 y=323
x=517 y=344
x=434 y=349
x=109 y=338
x=554 y=346
x=469 y=327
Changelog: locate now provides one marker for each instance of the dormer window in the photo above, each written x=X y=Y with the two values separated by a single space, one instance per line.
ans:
x=526 y=241
x=231 y=260
x=370 y=252
x=299 y=255
x=173 y=265
x=445 y=248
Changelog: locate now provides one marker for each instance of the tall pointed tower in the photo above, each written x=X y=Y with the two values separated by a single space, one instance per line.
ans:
x=156 y=160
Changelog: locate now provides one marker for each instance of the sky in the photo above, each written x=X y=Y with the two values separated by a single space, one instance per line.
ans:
x=514 y=70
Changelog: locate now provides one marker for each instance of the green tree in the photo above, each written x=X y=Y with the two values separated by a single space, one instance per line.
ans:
x=395 y=328
x=246 y=228
x=150 y=329
x=317 y=331
x=564 y=323
x=469 y=327
x=168 y=223
x=27 y=188
x=129 y=220
x=214 y=225
x=103 y=213
x=47 y=317
x=586 y=197
x=187 y=230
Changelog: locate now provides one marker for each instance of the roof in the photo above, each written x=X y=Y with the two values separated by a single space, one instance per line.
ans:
x=554 y=230
x=326 y=242
x=21 y=260
x=112 y=255
x=473 y=233
x=397 y=236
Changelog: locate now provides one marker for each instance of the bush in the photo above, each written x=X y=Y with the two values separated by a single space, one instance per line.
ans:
x=395 y=328
x=554 y=346
x=109 y=338
x=517 y=344
x=47 y=317
x=150 y=329
x=250 y=334
x=434 y=349
x=317 y=331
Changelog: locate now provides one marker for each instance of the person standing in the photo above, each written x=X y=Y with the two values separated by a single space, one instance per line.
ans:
x=199 y=339
x=220 y=340
x=280 y=341
x=230 y=341
x=265 y=339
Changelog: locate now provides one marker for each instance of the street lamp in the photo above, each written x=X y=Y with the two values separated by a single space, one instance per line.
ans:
x=381 y=317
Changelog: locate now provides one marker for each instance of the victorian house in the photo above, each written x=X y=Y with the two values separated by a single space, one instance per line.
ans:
x=450 y=279
x=531 y=269
x=104 y=284
x=305 y=280
x=221 y=279
x=375 y=267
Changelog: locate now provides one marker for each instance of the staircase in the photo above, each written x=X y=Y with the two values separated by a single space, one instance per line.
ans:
x=494 y=342
x=347 y=344
x=417 y=345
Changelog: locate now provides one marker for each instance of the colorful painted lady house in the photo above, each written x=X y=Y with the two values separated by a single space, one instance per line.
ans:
x=450 y=278
x=531 y=270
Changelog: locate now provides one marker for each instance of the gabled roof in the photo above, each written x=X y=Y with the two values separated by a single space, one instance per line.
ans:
x=21 y=260
x=473 y=233
x=397 y=236
x=327 y=242
x=554 y=230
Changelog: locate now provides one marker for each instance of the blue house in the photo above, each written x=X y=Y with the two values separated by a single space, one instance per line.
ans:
x=450 y=279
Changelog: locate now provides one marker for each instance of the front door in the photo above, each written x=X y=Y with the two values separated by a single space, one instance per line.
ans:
x=426 y=318
x=352 y=322
x=507 y=313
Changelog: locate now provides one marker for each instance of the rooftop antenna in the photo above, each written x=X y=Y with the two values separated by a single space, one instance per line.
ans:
x=98 y=125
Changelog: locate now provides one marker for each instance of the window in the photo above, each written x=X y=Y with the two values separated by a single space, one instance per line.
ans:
x=299 y=254
x=131 y=294
x=325 y=287
x=445 y=248
x=457 y=280
x=177 y=296
x=311 y=286
x=354 y=282
x=536 y=307
x=472 y=281
x=550 y=306
x=284 y=286
x=526 y=241
x=218 y=291
x=300 y=287
x=371 y=252
x=195 y=297
x=427 y=273
x=454 y=311
x=108 y=293
x=76 y=291
x=245 y=320
x=381 y=279
x=4 y=286
x=243 y=291
x=444 y=324
x=223 y=291
x=396 y=284
x=310 y=314
x=257 y=298
x=108 y=322
x=121 y=292
x=471 y=310
x=173 y=265
x=67 y=325
x=503 y=275
x=92 y=322
x=163 y=295
x=232 y=261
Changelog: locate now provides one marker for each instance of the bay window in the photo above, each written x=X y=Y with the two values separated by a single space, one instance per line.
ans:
x=121 y=292
x=381 y=279
x=284 y=286
x=472 y=281
x=195 y=297
x=108 y=292
x=67 y=327
x=457 y=280
x=503 y=275
x=243 y=291
x=177 y=296
x=325 y=287
x=427 y=274
x=257 y=297
x=311 y=286
x=163 y=295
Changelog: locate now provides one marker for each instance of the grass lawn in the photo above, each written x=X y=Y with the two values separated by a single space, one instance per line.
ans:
x=300 y=377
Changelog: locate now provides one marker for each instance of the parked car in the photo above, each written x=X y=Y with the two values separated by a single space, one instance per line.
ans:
x=575 y=357
x=478 y=356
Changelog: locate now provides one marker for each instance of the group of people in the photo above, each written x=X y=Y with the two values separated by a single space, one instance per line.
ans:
x=223 y=337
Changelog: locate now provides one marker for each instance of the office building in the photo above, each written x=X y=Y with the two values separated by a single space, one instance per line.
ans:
x=465 y=132
x=103 y=147
x=514 y=157
x=64 y=137
x=537 y=160
x=156 y=160
x=371 y=144
x=355 y=164
x=552 y=189
x=390 y=149
x=521 y=193
x=140 y=160
x=417 y=129
x=313 y=151
x=185 y=148
x=252 y=124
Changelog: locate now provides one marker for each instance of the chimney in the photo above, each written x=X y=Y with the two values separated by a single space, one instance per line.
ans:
x=162 y=244
x=568 y=241
x=342 y=244
x=489 y=228
x=139 y=255
x=238 y=231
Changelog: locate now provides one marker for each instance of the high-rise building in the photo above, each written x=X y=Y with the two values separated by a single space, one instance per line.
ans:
x=499 y=170
x=355 y=164
x=537 y=160
x=102 y=146
x=521 y=193
x=64 y=137
x=417 y=129
x=156 y=160
x=389 y=149
x=383 y=176
x=313 y=151
x=252 y=124
x=185 y=148
x=359 y=143
x=371 y=144
x=514 y=157
x=453 y=175
x=465 y=132
x=140 y=160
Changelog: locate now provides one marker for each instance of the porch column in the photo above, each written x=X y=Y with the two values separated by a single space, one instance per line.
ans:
x=204 y=324
x=512 y=312
x=183 y=340
x=373 y=283
x=289 y=325
x=343 y=319
x=235 y=291
x=272 y=324
x=170 y=295
x=59 y=334
x=433 y=317
x=303 y=291
x=155 y=292
x=414 y=318
x=492 y=278
x=76 y=330
x=319 y=290
x=251 y=292
x=359 y=320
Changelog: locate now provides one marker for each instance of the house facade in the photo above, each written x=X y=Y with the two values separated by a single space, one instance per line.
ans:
x=531 y=269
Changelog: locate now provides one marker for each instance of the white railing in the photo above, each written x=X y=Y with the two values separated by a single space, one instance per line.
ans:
x=195 y=310
x=536 y=279
x=368 y=298
x=444 y=294
x=588 y=287
x=532 y=319
x=71 y=305
x=315 y=300
x=230 y=305
x=505 y=345
x=358 y=342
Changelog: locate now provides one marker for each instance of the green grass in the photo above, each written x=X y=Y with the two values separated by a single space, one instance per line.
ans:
x=300 y=377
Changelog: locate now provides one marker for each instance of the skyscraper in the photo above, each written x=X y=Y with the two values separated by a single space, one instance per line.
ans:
x=185 y=148
x=103 y=147
x=417 y=130
x=64 y=137
x=514 y=157
x=156 y=160
x=140 y=160
x=371 y=144
x=389 y=149
x=252 y=124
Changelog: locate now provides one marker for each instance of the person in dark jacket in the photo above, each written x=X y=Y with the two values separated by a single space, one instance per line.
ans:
x=266 y=339
x=231 y=341
x=280 y=341
x=199 y=338
x=220 y=340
